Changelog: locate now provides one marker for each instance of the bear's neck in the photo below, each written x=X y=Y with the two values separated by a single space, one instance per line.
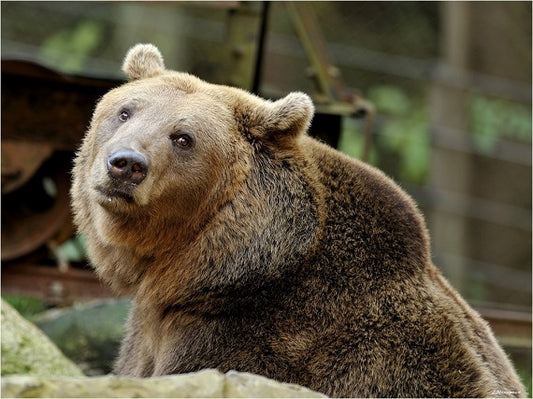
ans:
x=257 y=242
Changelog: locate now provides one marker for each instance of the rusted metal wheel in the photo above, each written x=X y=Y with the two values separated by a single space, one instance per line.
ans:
x=38 y=211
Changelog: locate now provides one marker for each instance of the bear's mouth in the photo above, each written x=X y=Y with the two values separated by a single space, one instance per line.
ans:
x=116 y=193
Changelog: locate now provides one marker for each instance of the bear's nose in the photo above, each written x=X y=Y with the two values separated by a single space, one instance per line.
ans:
x=127 y=166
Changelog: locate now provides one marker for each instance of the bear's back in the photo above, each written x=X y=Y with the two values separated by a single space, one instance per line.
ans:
x=393 y=312
x=369 y=220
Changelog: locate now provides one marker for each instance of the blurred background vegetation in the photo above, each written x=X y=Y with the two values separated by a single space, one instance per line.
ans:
x=451 y=83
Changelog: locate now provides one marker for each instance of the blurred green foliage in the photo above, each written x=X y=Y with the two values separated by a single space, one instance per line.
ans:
x=26 y=306
x=404 y=131
x=74 y=250
x=401 y=129
x=402 y=139
x=70 y=47
x=495 y=118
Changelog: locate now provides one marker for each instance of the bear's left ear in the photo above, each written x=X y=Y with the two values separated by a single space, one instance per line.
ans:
x=143 y=61
x=288 y=116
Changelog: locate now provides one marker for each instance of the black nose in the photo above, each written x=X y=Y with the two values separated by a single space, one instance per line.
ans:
x=127 y=166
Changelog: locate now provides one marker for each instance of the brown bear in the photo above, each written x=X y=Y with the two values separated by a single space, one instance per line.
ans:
x=248 y=245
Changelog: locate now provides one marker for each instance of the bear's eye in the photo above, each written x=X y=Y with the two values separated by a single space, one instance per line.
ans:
x=181 y=140
x=124 y=115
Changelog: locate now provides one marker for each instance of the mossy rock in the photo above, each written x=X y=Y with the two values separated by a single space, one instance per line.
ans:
x=27 y=350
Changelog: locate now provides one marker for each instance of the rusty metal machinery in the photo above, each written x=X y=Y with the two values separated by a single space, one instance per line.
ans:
x=44 y=116
x=331 y=98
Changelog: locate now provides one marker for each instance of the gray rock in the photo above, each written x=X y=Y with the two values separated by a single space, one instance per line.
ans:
x=246 y=385
x=26 y=350
x=89 y=334
x=205 y=383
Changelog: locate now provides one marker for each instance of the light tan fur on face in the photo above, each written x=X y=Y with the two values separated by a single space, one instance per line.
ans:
x=185 y=198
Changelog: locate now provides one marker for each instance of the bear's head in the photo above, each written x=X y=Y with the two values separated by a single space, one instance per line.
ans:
x=168 y=149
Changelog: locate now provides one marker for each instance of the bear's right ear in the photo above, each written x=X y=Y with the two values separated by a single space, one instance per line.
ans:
x=143 y=61
x=290 y=115
x=263 y=122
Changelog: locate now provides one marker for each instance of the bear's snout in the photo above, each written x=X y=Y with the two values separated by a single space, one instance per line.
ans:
x=127 y=166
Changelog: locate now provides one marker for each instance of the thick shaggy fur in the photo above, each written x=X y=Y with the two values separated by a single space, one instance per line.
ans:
x=256 y=248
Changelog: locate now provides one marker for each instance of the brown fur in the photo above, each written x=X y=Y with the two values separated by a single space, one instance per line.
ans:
x=261 y=250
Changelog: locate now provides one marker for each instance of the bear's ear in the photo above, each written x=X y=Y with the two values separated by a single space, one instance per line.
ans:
x=287 y=117
x=143 y=61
